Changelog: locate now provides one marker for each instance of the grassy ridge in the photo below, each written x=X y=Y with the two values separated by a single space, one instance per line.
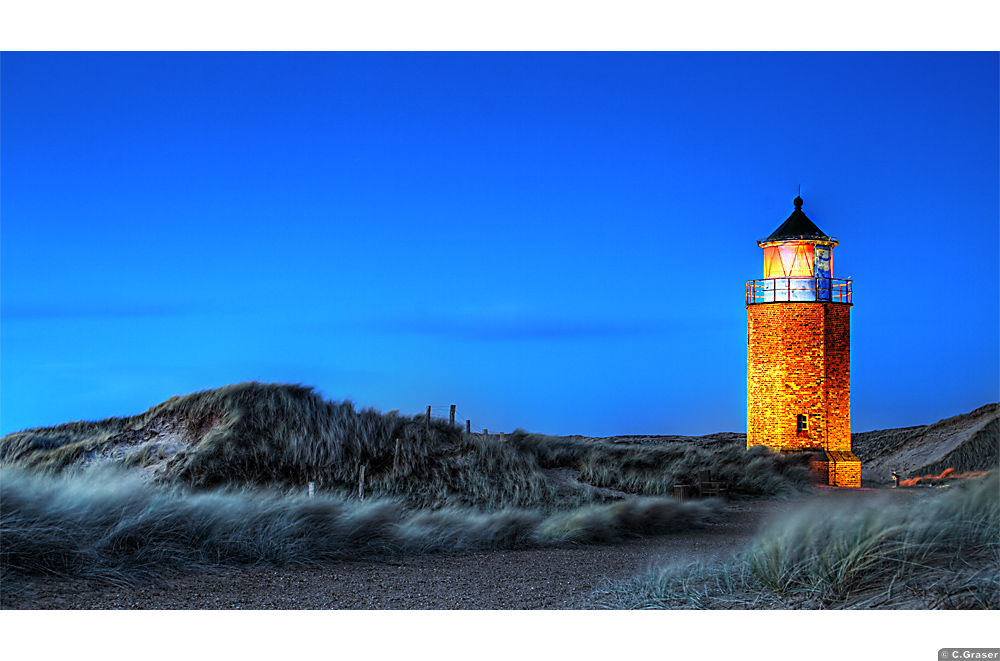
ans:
x=114 y=527
x=941 y=551
x=285 y=436
x=655 y=470
x=981 y=452
x=868 y=445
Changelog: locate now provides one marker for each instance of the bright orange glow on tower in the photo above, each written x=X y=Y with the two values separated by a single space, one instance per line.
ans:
x=799 y=352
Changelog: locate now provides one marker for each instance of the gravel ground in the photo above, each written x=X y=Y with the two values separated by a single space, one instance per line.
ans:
x=560 y=578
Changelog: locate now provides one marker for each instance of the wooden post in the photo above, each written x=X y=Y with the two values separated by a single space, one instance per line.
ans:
x=395 y=459
x=427 y=423
x=468 y=426
x=501 y=436
x=361 y=482
x=451 y=417
x=486 y=432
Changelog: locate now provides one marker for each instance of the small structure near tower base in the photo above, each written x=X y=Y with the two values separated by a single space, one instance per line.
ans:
x=799 y=352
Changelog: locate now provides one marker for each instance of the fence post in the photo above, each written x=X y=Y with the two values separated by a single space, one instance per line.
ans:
x=361 y=482
x=501 y=436
x=427 y=423
x=486 y=432
x=468 y=426
x=451 y=417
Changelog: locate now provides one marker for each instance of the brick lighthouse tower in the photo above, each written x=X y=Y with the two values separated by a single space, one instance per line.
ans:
x=799 y=352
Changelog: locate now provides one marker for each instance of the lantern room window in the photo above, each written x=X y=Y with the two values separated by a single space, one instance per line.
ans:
x=795 y=260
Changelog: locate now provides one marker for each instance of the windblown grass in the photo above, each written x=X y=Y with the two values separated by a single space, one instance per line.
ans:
x=981 y=452
x=114 y=527
x=283 y=436
x=274 y=435
x=655 y=470
x=940 y=551
x=868 y=445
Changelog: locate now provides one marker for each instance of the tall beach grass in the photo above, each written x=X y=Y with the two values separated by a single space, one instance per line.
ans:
x=654 y=470
x=109 y=525
x=939 y=551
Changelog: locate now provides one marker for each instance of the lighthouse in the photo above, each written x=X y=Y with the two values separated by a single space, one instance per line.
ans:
x=799 y=352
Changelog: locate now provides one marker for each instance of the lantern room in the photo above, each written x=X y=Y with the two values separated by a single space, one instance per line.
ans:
x=798 y=265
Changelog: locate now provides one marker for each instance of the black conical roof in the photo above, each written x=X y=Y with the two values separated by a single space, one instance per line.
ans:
x=798 y=226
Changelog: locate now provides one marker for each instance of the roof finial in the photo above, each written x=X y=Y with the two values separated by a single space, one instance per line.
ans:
x=798 y=200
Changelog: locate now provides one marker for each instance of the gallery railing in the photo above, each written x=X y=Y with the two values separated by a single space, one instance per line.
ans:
x=778 y=290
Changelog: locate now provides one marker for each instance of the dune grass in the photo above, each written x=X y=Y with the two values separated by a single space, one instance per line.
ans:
x=981 y=452
x=654 y=470
x=275 y=435
x=110 y=525
x=868 y=445
x=940 y=551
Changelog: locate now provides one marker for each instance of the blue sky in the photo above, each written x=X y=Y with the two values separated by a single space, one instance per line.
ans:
x=552 y=241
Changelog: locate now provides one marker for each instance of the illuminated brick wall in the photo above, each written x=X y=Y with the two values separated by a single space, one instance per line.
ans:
x=820 y=469
x=838 y=468
x=799 y=362
x=845 y=469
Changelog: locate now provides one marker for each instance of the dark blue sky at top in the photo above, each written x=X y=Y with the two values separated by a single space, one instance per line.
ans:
x=552 y=241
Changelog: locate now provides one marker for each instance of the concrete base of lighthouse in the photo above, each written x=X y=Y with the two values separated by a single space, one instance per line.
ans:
x=837 y=468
